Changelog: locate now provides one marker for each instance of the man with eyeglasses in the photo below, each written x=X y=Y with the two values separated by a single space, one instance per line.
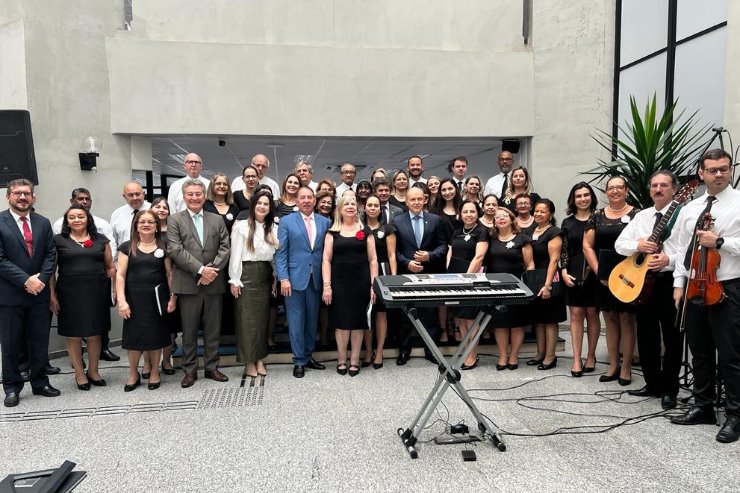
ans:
x=305 y=173
x=261 y=164
x=498 y=184
x=713 y=331
x=349 y=172
x=27 y=256
x=193 y=165
x=656 y=316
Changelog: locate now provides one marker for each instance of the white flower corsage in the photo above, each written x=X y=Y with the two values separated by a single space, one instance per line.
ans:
x=229 y=216
x=295 y=208
x=626 y=219
x=380 y=234
x=510 y=245
x=159 y=253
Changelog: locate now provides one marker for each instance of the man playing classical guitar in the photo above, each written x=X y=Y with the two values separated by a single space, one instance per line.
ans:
x=657 y=314
x=713 y=328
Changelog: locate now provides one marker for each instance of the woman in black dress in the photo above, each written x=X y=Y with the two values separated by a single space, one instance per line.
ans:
x=385 y=250
x=509 y=251
x=400 y=187
x=518 y=185
x=251 y=178
x=144 y=271
x=602 y=231
x=547 y=310
x=473 y=190
x=580 y=295
x=524 y=218
x=447 y=207
x=220 y=200
x=349 y=268
x=468 y=249
x=364 y=190
x=80 y=295
x=490 y=204
x=433 y=183
x=288 y=201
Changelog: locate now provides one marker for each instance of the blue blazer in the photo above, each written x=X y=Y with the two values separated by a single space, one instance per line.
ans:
x=434 y=241
x=294 y=259
x=16 y=266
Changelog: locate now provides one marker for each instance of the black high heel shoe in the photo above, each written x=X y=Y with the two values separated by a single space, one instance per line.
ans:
x=610 y=378
x=146 y=375
x=342 y=368
x=153 y=386
x=83 y=386
x=578 y=373
x=365 y=364
x=131 y=387
x=535 y=361
x=474 y=365
x=548 y=366
x=97 y=383
x=168 y=371
x=624 y=381
x=354 y=370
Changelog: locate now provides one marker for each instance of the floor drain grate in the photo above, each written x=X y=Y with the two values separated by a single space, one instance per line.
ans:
x=247 y=396
x=87 y=412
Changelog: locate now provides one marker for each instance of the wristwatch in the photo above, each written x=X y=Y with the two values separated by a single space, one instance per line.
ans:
x=720 y=242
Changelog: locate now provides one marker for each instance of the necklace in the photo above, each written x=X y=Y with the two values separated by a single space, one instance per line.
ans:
x=148 y=244
x=82 y=240
x=507 y=238
x=541 y=229
x=617 y=210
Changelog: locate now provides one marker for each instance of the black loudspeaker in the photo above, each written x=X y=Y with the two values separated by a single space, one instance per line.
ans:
x=510 y=145
x=17 y=159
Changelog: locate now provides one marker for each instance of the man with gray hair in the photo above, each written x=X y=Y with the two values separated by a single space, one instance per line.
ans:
x=304 y=170
x=193 y=165
x=198 y=243
x=349 y=173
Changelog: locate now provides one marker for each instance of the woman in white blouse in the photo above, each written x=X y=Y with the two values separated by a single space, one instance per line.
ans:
x=253 y=244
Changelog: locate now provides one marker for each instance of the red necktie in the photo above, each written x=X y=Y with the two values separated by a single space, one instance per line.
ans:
x=27 y=236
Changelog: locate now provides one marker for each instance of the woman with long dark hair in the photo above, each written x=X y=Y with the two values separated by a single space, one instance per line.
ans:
x=252 y=280
x=251 y=178
x=80 y=295
x=288 y=202
x=143 y=270
x=220 y=200
x=580 y=280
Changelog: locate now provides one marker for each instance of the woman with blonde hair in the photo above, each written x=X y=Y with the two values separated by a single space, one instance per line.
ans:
x=349 y=267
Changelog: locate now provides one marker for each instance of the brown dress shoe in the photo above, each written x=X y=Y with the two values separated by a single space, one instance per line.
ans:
x=188 y=380
x=216 y=375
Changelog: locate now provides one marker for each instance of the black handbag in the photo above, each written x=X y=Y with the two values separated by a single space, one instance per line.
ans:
x=535 y=280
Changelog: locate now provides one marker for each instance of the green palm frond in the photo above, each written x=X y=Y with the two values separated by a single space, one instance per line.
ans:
x=649 y=144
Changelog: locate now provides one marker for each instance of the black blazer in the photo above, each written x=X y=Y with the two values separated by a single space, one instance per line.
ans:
x=434 y=241
x=16 y=266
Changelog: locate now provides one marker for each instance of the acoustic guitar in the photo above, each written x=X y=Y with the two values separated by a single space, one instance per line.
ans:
x=631 y=281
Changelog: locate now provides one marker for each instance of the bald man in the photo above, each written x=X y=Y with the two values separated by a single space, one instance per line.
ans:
x=261 y=164
x=193 y=165
x=121 y=218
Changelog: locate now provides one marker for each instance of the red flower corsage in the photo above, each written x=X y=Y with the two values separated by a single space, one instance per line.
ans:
x=87 y=243
x=360 y=235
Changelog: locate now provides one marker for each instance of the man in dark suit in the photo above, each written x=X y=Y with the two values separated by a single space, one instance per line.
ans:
x=388 y=211
x=421 y=247
x=198 y=243
x=27 y=255
x=298 y=267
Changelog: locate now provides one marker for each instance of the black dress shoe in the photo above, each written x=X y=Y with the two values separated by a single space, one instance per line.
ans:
x=474 y=365
x=535 y=362
x=512 y=366
x=131 y=387
x=610 y=378
x=624 y=381
x=52 y=370
x=403 y=357
x=668 y=401
x=315 y=365
x=696 y=416
x=83 y=386
x=96 y=383
x=589 y=369
x=354 y=370
x=501 y=367
x=730 y=430
x=153 y=386
x=549 y=366
x=644 y=392
x=299 y=371
x=11 y=399
x=342 y=368
x=378 y=366
x=108 y=355
x=47 y=391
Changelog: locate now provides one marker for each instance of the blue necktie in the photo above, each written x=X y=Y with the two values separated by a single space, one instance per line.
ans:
x=198 y=220
x=418 y=230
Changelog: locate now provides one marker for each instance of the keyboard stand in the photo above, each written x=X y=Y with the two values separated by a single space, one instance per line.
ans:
x=449 y=376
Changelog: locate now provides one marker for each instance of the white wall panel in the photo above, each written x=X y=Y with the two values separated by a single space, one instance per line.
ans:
x=644 y=28
x=694 y=16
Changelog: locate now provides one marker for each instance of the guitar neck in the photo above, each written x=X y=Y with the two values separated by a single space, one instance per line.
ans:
x=658 y=229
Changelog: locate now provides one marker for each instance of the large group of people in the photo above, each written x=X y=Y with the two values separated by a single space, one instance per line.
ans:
x=217 y=254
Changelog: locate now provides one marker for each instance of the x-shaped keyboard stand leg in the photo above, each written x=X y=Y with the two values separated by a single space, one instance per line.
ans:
x=449 y=376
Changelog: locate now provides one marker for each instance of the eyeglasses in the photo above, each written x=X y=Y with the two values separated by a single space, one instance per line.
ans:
x=22 y=194
x=349 y=172
x=193 y=162
x=717 y=171
x=147 y=222
x=615 y=187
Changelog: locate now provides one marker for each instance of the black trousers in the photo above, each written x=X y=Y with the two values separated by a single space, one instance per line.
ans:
x=656 y=318
x=716 y=329
x=25 y=326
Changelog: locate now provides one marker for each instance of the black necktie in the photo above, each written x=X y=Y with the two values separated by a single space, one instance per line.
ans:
x=385 y=214
x=699 y=224
x=658 y=217
x=505 y=185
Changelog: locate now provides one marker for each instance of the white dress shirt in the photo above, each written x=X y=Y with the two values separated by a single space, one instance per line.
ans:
x=120 y=222
x=495 y=184
x=412 y=182
x=344 y=187
x=174 y=197
x=726 y=212
x=641 y=227
x=18 y=221
x=101 y=225
x=263 y=251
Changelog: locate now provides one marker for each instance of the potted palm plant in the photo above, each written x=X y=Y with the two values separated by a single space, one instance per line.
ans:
x=650 y=143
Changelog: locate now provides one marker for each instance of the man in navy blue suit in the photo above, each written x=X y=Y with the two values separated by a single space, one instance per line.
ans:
x=421 y=247
x=27 y=255
x=298 y=266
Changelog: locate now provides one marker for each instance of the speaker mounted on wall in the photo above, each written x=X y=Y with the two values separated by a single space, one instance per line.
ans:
x=17 y=159
x=511 y=145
